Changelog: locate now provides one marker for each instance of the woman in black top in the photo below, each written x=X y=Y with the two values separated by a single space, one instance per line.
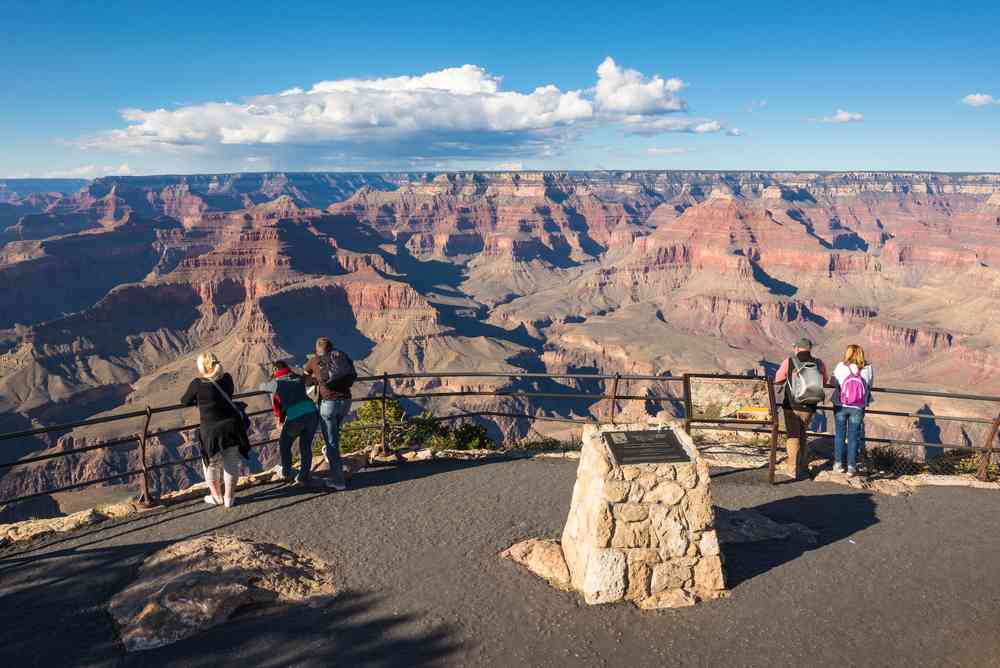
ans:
x=221 y=428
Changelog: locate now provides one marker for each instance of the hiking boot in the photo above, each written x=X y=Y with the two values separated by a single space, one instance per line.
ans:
x=838 y=468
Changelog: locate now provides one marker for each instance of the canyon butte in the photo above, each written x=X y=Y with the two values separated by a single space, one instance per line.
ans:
x=109 y=289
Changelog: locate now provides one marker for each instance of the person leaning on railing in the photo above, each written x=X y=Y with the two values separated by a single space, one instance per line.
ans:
x=800 y=380
x=298 y=417
x=221 y=431
x=852 y=380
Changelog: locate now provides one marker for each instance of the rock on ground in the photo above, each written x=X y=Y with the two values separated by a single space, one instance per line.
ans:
x=30 y=529
x=199 y=583
x=887 y=486
x=544 y=558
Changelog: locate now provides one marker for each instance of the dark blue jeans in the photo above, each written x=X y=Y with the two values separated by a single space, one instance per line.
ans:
x=304 y=429
x=848 y=427
x=331 y=416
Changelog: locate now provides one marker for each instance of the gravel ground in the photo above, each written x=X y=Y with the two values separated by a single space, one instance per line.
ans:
x=894 y=581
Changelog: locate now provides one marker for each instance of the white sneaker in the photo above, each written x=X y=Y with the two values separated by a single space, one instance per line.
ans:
x=230 y=502
x=211 y=500
x=838 y=468
x=851 y=472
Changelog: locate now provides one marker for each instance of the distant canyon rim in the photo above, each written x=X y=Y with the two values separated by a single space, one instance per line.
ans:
x=110 y=288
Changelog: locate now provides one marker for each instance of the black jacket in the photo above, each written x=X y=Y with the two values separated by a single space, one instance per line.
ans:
x=221 y=426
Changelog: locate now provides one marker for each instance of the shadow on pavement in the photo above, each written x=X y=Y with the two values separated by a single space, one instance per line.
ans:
x=833 y=516
x=54 y=612
x=345 y=632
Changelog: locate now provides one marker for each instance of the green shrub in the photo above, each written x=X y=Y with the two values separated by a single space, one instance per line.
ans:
x=548 y=444
x=891 y=460
x=420 y=431
x=369 y=414
x=959 y=463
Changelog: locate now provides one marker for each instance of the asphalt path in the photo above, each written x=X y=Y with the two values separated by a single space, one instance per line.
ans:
x=893 y=581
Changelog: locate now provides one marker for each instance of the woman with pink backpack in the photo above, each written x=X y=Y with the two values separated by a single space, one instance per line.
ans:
x=852 y=379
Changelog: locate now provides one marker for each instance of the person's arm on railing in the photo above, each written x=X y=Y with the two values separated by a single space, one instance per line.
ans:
x=190 y=397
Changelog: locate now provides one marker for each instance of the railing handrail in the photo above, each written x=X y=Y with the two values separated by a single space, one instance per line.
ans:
x=689 y=417
x=513 y=374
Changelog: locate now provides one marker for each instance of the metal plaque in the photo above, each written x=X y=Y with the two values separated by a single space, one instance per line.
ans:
x=645 y=447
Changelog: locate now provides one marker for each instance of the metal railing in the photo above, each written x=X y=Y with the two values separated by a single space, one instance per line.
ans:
x=691 y=421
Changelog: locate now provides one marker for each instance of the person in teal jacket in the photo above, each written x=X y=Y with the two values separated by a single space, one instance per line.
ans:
x=298 y=417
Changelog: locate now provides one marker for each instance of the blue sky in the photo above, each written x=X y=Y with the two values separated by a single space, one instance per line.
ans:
x=97 y=88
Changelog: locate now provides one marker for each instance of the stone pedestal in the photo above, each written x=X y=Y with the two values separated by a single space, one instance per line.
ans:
x=642 y=532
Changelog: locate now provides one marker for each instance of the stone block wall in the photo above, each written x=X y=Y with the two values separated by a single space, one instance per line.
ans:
x=642 y=533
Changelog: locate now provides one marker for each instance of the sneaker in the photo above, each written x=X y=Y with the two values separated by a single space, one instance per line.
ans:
x=279 y=476
x=851 y=471
x=339 y=486
x=211 y=500
x=230 y=502
x=838 y=468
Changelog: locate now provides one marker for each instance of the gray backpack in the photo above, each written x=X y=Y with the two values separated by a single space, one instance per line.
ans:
x=805 y=382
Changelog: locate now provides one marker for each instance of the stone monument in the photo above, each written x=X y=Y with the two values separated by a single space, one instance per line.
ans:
x=641 y=525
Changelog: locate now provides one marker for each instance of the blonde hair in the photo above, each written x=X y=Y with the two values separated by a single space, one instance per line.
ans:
x=209 y=365
x=855 y=354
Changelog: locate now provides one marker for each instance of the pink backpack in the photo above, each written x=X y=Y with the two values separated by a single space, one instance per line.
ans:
x=853 y=391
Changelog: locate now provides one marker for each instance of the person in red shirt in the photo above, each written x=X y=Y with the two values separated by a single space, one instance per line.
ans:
x=798 y=416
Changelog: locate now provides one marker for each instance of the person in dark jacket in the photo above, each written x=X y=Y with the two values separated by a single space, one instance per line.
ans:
x=298 y=417
x=221 y=429
x=334 y=405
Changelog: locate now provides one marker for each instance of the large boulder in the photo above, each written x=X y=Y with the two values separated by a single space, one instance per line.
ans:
x=199 y=583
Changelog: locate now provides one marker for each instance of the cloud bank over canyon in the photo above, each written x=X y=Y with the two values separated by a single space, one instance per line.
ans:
x=454 y=113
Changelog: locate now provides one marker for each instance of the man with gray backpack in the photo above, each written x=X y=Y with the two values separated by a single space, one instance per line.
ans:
x=801 y=379
x=333 y=373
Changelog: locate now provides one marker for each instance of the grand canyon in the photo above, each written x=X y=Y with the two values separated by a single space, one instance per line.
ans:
x=110 y=288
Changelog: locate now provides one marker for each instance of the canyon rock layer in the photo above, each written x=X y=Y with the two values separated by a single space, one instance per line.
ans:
x=109 y=292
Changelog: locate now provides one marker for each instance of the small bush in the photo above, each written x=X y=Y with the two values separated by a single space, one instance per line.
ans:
x=959 y=463
x=369 y=414
x=549 y=444
x=420 y=431
x=892 y=460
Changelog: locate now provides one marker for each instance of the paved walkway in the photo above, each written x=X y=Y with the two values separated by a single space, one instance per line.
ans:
x=894 y=581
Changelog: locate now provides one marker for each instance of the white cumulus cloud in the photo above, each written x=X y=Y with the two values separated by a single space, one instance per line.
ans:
x=627 y=91
x=645 y=125
x=979 y=100
x=844 y=116
x=454 y=113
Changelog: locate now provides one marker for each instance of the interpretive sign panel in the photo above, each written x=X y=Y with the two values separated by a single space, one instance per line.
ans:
x=645 y=447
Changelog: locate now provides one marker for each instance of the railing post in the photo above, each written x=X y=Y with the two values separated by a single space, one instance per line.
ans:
x=773 y=406
x=614 y=395
x=384 y=447
x=987 y=455
x=146 y=499
x=688 y=405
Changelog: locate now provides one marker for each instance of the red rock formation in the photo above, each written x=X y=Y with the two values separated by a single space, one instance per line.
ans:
x=118 y=287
